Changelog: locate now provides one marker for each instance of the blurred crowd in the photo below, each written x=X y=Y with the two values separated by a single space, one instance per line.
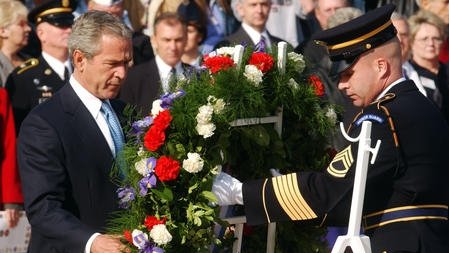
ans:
x=171 y=36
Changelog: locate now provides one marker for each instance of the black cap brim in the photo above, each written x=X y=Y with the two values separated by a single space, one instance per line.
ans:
x=337 y=67
x=58 y=19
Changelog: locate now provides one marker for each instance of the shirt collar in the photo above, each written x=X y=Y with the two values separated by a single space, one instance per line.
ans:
x=164 y=69
x=255 y=35
x=56 y=65
x=390 y=87
x=92 y=103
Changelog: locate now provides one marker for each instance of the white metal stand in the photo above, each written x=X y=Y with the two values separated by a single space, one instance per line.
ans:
x=239 y=221
x=358 y=243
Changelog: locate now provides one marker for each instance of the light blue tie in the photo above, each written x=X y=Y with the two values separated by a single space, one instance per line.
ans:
x=114 y=126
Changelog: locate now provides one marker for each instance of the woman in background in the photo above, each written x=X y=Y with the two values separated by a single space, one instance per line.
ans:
x=11 y=199
x=14 y=31
x=427 y=33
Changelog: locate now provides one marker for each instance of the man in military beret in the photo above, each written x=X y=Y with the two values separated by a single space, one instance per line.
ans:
x=407 y=192
x=39 y=78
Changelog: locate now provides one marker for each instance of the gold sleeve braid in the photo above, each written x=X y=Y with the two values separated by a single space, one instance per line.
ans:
x=289 y=197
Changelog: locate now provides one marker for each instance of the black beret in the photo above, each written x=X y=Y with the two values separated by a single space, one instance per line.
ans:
x=346 y=42
x=55 y=12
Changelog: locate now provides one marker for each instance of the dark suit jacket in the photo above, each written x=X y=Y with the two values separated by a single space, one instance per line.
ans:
x=64 y=163
x=143 y=85
x=241 y=37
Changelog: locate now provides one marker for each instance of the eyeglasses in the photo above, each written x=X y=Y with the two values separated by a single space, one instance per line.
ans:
x=435 y=40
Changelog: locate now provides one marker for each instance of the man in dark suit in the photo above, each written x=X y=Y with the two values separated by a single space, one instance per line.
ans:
x=67 y=145
x=254 y=16
x=406 y=192
x=39 y=78
x=146 y=81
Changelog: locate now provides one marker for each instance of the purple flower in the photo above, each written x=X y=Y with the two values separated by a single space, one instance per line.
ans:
x=125 y=195
x=139 y=127
x=167 y=98
x=146 y=183
x=140 y=240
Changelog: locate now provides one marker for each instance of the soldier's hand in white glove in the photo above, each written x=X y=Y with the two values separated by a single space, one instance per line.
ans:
x=227 y=189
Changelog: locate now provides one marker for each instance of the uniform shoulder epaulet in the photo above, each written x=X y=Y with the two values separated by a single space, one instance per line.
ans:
x=30 y=63
x=386 y=98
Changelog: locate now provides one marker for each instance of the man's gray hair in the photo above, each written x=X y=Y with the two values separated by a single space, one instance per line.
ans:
x=89 y=28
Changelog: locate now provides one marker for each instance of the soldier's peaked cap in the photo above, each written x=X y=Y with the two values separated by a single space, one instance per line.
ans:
x=346 y=42
x=55 y=12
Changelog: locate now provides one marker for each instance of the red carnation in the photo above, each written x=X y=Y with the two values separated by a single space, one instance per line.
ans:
x=127 y=235
x=263 y=61
x=217 y=63
x=317 y=84
x=154 y=138
x=151 y=221
x=167 y=169
x=163 y=119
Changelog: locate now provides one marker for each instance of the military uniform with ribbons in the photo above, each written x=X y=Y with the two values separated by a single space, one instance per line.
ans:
x=407 y=189
x=31 y=84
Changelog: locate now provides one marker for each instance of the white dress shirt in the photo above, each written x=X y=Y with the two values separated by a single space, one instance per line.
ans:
x=93 y=105
x=57 y=66
x=256 y=36
x=164 y=72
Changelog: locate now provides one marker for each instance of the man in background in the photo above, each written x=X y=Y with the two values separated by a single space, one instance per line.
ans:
x=253 y=15
x=145 y=82
x=38 y=79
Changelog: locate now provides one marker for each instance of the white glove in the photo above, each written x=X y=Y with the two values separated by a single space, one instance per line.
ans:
x=227 y=189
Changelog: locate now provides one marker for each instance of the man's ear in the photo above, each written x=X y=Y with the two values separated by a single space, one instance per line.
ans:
x=79 y=60
x=383 y=66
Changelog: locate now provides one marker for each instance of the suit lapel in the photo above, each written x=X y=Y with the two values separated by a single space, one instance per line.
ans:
x=83 y=125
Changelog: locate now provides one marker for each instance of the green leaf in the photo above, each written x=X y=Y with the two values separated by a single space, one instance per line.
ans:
x=166 y=194
x=209 y=196
x=193 y=187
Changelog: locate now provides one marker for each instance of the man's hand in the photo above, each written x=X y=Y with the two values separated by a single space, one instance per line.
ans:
x=108 y=244
x=228 y=190
x=12 y=216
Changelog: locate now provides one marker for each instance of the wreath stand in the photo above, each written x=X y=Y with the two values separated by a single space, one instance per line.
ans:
x=358 y=243
x=239 y=221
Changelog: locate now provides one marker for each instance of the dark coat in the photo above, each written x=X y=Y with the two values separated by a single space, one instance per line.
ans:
x=143 y=85
x=64 y=163
x=410 y=172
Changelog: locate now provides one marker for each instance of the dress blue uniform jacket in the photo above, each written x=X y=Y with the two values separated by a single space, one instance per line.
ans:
x=65 y=164
x=407 y=187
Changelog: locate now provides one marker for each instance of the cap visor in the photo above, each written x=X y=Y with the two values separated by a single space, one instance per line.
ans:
x=338 y=67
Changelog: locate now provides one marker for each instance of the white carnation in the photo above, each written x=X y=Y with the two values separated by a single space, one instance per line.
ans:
x=205 y=114
x=139 y=238
x=141 y=167
x=219 y=106
x=253 y=74
x=206 y=130
x=298 y=59
x=156 y=107
x=194 y=163
x=331 y=115
x=226 y=51
x=293 y=84
x=160 y=234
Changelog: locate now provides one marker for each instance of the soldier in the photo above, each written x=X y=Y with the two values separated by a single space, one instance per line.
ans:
x=39 y=78
x=406 y=189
